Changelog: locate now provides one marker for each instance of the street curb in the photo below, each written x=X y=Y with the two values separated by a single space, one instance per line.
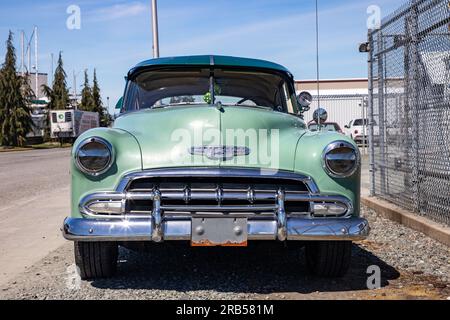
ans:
x=15 y=150
x=30 y=149
x=392 y=212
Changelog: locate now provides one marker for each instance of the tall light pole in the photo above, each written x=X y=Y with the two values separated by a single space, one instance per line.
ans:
x=155 y=29
x=75 y=94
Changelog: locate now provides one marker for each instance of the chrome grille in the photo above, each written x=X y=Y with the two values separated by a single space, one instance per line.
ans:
x=188 y=192
x=225 y=195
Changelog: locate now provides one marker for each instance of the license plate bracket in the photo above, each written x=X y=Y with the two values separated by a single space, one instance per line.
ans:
x=210 y=232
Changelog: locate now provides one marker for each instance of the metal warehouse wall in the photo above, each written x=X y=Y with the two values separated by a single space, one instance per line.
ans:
x=341 y=108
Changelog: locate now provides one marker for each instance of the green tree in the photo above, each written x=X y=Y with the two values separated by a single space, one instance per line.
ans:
x=104 y=116
x=59 y=93
x=87 y=99
x=15 y=99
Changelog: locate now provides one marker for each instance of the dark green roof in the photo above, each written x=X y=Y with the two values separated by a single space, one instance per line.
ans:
x=208 y=60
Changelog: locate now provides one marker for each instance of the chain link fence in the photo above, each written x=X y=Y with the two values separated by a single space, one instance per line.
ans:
x=341 y=108
x=409 y=108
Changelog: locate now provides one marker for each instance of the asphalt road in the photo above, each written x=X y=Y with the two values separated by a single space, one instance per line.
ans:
x=34 y=199
x=37 y=263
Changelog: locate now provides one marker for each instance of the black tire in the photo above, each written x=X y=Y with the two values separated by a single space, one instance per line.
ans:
x=328 y=258
x=96 y=259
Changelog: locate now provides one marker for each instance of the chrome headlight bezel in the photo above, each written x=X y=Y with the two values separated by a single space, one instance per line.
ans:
x=88 y=171
x=336 y=145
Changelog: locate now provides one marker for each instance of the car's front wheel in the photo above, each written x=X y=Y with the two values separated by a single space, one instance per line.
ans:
x=328 y=258
x=96 y=259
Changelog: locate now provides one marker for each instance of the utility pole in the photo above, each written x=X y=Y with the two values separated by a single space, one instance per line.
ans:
x=155 y=29
x=36 y=58
x=22 y=44
x=75 y=89
x=53 y=72
x=29 y=59
x=75 y=94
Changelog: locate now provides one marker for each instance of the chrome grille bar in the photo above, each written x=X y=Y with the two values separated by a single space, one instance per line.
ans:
x=221 y=208
x=279 y=198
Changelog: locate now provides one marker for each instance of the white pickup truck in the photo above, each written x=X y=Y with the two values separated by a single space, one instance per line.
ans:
x=358 y=130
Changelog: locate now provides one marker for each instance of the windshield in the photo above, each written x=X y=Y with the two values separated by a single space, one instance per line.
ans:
x=183 y=87
x=361 y=122
x=324 y=127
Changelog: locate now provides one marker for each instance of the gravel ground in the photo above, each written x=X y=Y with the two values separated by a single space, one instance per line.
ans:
x=412 y=265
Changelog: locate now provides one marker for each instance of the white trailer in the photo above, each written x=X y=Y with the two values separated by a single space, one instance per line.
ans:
x=71 y=123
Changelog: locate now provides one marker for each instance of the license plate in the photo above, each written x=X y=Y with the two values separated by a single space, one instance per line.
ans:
x=210 y=232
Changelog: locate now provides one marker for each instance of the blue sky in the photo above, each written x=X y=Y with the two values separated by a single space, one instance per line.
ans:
x=116 y=34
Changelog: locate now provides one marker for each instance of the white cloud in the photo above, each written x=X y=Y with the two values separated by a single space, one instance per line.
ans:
x=119 y=11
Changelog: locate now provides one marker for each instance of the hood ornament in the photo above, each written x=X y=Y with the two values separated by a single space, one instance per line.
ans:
x=224 y=153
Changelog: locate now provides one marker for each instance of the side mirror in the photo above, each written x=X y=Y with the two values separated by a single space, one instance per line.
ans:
x=346 y=126
x=119 y=104
x=320 y=115
x=304 y=100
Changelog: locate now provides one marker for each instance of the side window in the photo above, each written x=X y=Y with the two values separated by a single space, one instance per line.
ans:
x=129 y=103
x=290 y=100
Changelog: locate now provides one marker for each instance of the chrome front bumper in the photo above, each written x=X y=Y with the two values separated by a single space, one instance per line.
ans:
x=298 y=229
x=169 y=210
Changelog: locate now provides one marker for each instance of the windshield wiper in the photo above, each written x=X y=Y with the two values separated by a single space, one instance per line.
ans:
x=246 y=105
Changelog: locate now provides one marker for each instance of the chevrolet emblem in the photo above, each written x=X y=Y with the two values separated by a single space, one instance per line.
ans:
x=220 y=152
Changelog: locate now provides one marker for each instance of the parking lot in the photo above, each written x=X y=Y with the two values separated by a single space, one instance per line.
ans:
x=37 y=263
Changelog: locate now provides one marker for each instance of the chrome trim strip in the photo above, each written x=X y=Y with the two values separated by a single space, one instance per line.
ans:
x=214 y=172
x=287 y=197
x=298 y=229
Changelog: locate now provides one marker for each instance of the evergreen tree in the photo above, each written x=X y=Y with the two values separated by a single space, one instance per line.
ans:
x=87 y=99
x=15 y=99
x=58 y=94
x=104 y=116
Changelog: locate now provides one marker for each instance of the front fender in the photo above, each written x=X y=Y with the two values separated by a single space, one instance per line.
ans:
x=127 y=158
x=308 y=161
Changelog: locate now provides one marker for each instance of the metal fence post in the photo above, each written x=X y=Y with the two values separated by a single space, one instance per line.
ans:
x=413 y=99
x=365 y=124
x=381 y=111
x=371 y=119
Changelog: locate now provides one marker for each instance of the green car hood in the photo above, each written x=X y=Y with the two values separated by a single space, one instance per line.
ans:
x=167 y=135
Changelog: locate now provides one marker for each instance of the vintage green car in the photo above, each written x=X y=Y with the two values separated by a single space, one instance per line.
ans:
x=213 y=151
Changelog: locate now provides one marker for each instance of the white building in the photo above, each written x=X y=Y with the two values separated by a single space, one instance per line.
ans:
x=342 y=98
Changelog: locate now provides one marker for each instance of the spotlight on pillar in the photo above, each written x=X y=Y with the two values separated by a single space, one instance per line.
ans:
x=364 y=47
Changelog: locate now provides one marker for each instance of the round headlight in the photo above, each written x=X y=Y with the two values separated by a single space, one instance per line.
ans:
x=341 y=159
x=94 y=156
